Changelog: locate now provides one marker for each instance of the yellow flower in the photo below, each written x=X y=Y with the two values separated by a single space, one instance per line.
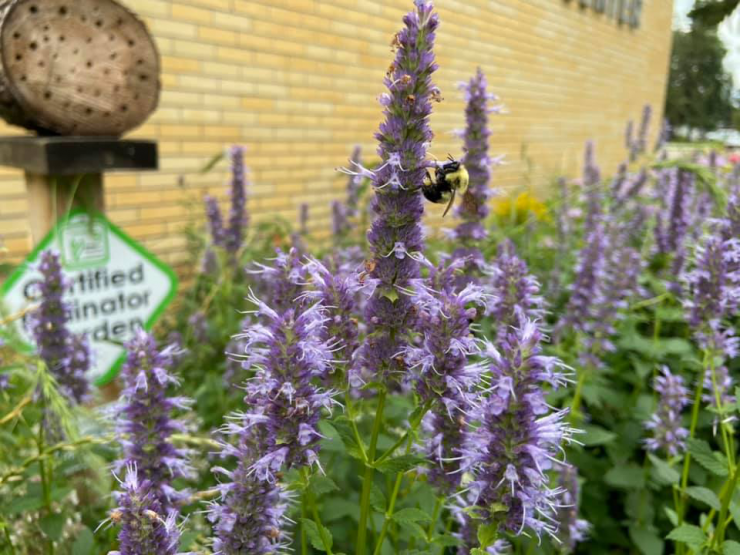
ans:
x=520 y=209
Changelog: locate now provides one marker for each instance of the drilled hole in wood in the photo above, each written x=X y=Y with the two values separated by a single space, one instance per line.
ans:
x=76 y=51
x=106 y=114
x=33 y=45
x=89 y=40
x=80 y=90
x=83 y=18
x=46 y=38
x=47 y=95
x=113 y=56
x=42 y=64
x=18 y=57
x=99 y=23
x=97 y=92
x=124 y=108
x=111 y=37
x=106 y=71
x=16 y=35
x=120 y=21
x=46 y=27
x=131 y=43
x=33 y=9
x=116 y=88
x=89 y=64
x=58 y=79
x=88 y=111
x=55 y=56
x=140 y=62
x=62 y=38
x=143 y=77
x=63 y=10
x=23 y=78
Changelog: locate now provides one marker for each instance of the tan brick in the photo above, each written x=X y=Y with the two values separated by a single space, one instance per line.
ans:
x=188 y=13
x=173 y=64
x=169 y=28
x=218 y=36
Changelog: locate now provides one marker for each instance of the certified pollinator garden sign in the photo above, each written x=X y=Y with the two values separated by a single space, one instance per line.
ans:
x=116 y=286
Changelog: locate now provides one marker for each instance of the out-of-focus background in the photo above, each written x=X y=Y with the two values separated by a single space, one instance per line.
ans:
x=297 y=81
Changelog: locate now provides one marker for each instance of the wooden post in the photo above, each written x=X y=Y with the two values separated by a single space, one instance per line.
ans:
x=51 y=197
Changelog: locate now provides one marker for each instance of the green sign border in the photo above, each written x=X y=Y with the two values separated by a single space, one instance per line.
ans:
x=33 y=255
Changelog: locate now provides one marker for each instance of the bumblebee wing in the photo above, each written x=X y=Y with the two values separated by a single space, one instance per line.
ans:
x=449 y=204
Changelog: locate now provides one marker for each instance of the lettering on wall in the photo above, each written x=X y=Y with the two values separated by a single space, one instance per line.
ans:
x=624 y=12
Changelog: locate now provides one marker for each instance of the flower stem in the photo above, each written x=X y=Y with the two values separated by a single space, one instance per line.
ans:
x=367 y=480
x=435 y=518
x=687 y=456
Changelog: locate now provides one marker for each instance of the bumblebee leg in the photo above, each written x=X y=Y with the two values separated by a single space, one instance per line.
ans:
x=449 y=205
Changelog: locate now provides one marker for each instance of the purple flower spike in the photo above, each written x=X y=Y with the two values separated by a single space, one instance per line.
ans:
x=396 y=238
x=60 y=350
x=518 y=438
x=474 y=209
x=514 y=291
x=146 y=422
x=215 y=222
x=667 y=433
x=718 y=389
x=713 y=293
x=288 y=352
x=354 y=186
x=249 y=516
x=337 y=293
x=198 y=325
x=284 y=280
x=146 y=528
x=238 y=218
x=573 y=530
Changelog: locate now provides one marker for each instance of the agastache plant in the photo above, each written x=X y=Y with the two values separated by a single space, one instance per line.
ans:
x=146 y=421
x=473 y=209
x=518 y=440
x=445 y=381
x=667 y=432
x=230 y=236
x=514 y=291
x=66 y=357
x=396 y=239
x=146 y=527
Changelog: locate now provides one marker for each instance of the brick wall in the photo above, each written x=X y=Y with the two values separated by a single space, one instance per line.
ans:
x=296 y=81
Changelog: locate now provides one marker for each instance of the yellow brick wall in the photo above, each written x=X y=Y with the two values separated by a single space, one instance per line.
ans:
x=296 y=81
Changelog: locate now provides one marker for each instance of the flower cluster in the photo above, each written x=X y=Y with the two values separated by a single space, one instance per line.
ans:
x=67 y=357
x=473 y=209
x=665 y=424
x=396 y=238
x=289 y=353
x=146 y=421
x=712 y=290
x=445 y=380
x=518 y=436
x=145 y=526
x=250 y=514
x=230 y=237
x=283 y=281
x=514 y=291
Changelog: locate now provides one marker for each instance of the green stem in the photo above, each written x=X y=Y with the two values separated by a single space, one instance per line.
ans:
x=304 y=537
x=719 y=535
x=389 y=514
x=367 y=480
x=687 y=457
x=45 y=479
x=353 y=424
x=435 y=518
x=577 y=395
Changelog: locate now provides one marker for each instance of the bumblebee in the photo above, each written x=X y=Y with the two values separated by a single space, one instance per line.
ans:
x=449 y=178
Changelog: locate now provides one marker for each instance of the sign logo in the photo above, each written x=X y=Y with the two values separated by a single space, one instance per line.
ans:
x=116 y=286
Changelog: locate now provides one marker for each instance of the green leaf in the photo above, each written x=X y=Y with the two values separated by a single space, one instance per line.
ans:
x=662 y=472
x=688 y=534
x=400 y=464
x=322 y=484
x=735 y=512
x=647 y=541
x=84 y=543
x=705 y=496
x=626 y=476
x=414 y=529
x=312 y=531
x=711 y=461
x=671 y=514
x=52 y=525
x=595 y=435
x=487 y=534
x=411 y=515
x=336 y=508
x=447 y=541
x=344 y=429
x=731 y=548
x=377 y=499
